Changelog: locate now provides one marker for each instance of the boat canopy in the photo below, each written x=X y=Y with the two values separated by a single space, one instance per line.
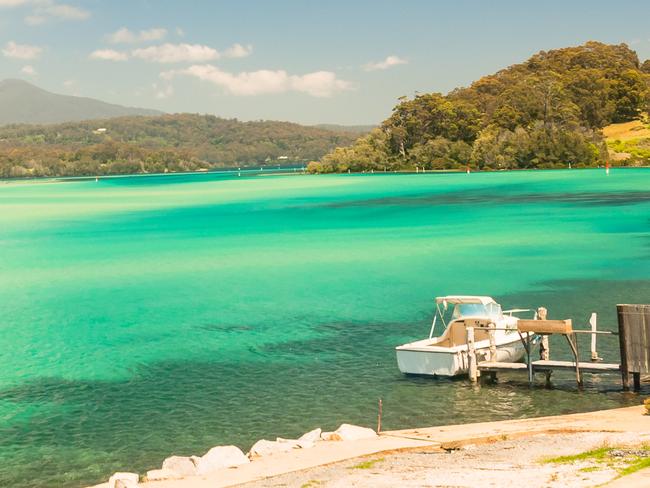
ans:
x=457 y=299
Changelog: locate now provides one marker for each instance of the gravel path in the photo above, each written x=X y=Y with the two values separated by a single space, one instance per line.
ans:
x=515 y=463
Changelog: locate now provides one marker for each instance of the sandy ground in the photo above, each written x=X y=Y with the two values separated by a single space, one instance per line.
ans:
x=499 y=464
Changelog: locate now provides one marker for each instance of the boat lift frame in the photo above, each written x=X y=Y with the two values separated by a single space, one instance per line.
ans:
x=527 y=336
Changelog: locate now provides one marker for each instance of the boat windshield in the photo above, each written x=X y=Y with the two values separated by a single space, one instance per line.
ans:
x=492 y=310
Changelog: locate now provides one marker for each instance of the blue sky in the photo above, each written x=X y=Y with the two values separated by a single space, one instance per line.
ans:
x=305 y=61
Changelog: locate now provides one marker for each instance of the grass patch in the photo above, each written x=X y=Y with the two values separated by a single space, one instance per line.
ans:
x=311 y=484
x=623 y=461
x=366 y=464
x=599 y=454
x=640 y=463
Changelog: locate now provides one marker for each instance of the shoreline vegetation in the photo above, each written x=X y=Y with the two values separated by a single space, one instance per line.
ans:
x=159 y=144
x=563 y=450
x=547 y=112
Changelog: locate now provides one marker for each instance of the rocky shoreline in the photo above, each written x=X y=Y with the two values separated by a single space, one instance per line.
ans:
x=294 y=462
x=226 y=457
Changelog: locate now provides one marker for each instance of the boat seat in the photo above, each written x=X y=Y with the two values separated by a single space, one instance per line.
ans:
x=456 y=334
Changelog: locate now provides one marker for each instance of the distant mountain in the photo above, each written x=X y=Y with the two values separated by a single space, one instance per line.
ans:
x=22 y=102
x=353 y=129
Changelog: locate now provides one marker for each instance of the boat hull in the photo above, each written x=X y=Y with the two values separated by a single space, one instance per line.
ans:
x=434 y=361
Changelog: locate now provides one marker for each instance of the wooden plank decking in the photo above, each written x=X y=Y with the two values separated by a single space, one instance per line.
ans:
x=497 y=366
x=547 y=365
x=585 y=366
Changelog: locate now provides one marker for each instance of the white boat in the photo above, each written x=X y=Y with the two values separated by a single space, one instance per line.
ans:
x=447 y=354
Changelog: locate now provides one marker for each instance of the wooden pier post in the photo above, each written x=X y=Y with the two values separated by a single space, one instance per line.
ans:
x=544 y=351
x=379 y=412
x=622 y=341
x=574 y=340
x=531 y=375
x=493 y=342
x=544 y=348
x=593 y=321
x=471 y=355
x=634 y=339
x=493 y=348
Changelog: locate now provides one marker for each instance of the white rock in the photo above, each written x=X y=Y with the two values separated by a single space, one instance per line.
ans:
x=123 y=480
x=162 y=474
x=329 y=436
x=347 y=432
x=311 y=436
x=265 y=448
x=182 y=465
x=221 y=457
x=126 y=484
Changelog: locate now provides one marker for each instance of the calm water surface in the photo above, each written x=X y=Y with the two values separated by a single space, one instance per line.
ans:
x=149 y=316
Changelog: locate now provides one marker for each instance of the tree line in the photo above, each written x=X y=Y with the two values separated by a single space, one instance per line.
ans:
x=149 y=144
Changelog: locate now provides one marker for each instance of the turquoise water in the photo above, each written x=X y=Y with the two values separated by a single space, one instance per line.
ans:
x=147 y=316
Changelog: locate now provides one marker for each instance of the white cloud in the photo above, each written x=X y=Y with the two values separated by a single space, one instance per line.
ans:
x=21 y=51
x=125 y=36
x=35 y=20
x=44 y=10
x=238 y=51
x=180 y=32
x=389 y=62
x=176 y=53
x=109 y=55
x=62 y=11
x=165 y=53
x=155 y=34
x=163 y=92
x=122 y=35
x=69 y=83
x=28 y=70
x=317 y=84
x=13 y=3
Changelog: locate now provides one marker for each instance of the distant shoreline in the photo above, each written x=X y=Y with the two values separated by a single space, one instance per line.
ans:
x=269 y=171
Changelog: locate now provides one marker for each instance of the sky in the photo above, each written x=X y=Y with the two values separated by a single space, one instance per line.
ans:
x=328 y=61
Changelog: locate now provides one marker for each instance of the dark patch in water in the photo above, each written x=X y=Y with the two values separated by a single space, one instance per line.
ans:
x=494 y=196
x=226 y=327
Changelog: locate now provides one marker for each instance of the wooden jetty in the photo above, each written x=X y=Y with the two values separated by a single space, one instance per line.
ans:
x=634 y=339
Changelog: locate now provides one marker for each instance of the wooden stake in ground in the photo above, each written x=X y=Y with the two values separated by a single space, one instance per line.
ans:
x=379 y=417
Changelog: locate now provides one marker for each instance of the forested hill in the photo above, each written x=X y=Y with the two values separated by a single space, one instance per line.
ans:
x=181 y=142
x=545 y=112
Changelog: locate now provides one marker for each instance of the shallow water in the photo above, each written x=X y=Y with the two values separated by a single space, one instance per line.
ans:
x=147 y=316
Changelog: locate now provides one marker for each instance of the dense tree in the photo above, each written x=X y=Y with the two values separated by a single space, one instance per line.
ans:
x=645 y=67
x=628 y=92
x=182 y=142
x=368 y=155
x=545 y=112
